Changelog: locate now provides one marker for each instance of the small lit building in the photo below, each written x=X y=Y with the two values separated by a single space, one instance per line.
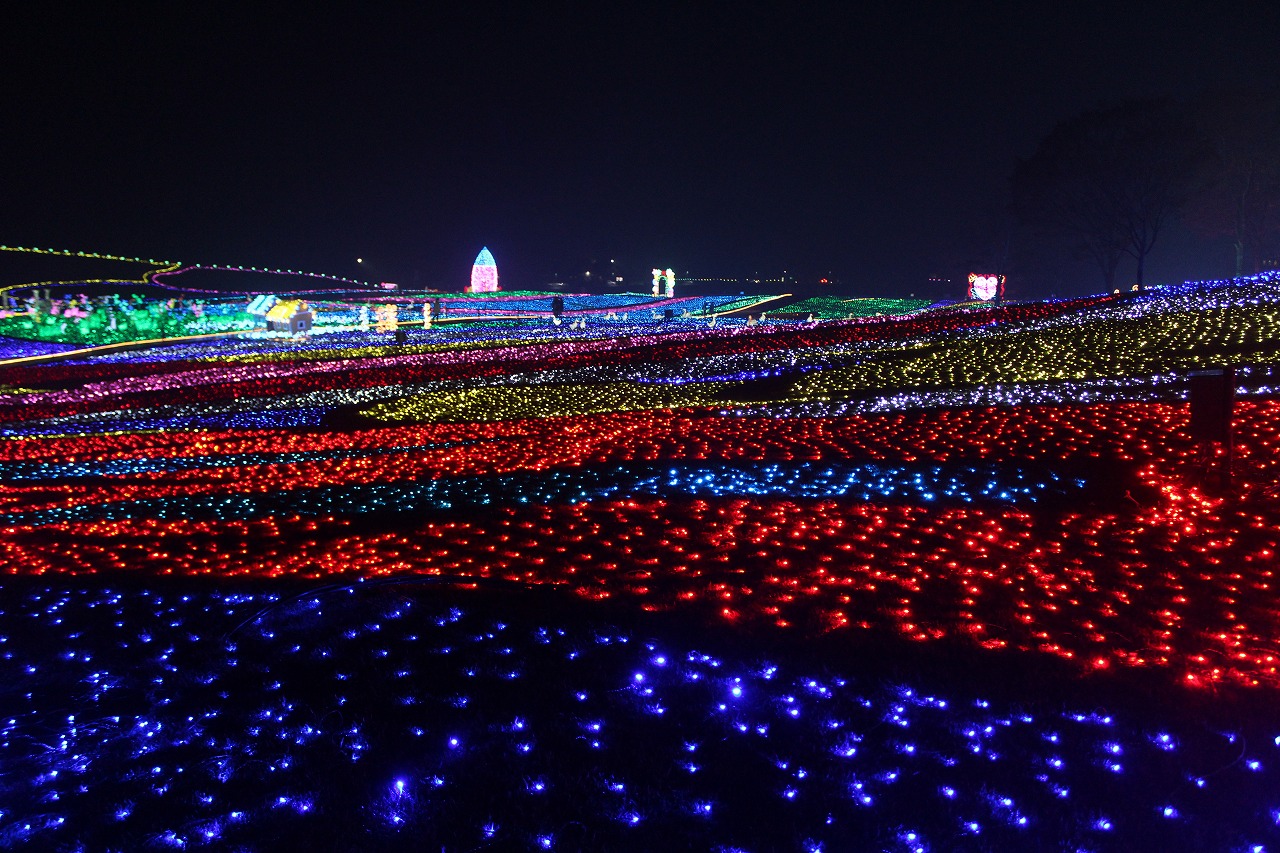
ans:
x=291 y=315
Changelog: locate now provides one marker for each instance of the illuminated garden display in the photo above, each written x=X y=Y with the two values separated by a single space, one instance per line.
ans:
x=664 y=282
x=923 y=579
x=986 y=287
x=484 y=273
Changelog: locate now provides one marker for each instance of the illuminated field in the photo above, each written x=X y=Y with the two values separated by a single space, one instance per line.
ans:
x=957 y=580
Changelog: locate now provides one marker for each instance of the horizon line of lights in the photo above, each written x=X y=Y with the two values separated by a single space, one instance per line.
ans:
x=147 y=277
x=228 y=268
x=165 y=264
x=1266 y=274
x=70 y=253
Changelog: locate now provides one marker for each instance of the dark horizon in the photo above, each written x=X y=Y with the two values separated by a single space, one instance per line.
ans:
x=874 y=146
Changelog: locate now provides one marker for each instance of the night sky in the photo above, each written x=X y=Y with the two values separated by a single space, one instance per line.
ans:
x=873 y=143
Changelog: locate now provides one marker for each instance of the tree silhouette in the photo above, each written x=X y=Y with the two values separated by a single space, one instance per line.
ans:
x=1110 y=179
x=1241 y=196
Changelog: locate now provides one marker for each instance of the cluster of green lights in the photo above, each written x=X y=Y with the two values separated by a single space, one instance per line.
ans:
x=835 y=308
x=137 y=321
x=740 y=304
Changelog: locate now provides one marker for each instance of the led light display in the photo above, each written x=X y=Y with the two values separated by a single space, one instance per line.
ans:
x=955 y=579
x=484 y=273
x=210 y=719
x=985 y=287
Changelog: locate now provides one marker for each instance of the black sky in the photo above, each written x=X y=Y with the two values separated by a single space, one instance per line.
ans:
x=873 y=140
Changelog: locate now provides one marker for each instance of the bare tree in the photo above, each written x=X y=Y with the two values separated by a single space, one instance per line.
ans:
x=1241 y=196
x=1109 y=180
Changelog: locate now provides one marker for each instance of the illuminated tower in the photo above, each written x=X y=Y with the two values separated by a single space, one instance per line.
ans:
x=484 y=274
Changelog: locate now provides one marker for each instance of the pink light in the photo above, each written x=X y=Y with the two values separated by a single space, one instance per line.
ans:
x=484 y=274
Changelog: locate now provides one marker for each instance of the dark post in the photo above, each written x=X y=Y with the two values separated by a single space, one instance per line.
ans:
x=1213 y=394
